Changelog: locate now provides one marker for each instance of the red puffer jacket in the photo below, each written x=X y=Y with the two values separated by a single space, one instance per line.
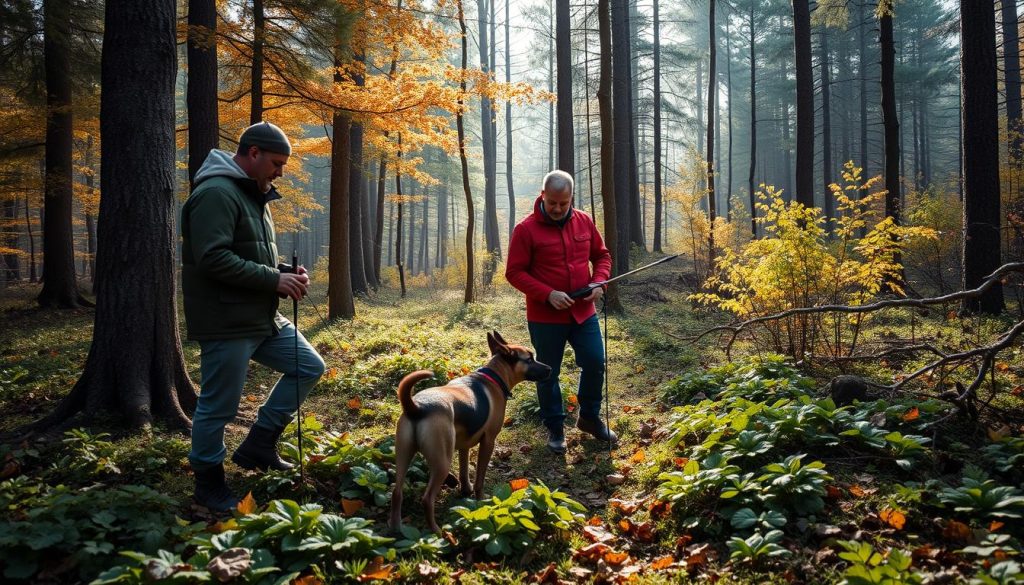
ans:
x=544 y=257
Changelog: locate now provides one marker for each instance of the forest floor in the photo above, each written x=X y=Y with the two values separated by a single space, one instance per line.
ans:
x=742 y=472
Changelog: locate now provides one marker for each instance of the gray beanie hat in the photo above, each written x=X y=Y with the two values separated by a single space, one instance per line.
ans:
x=267 y=137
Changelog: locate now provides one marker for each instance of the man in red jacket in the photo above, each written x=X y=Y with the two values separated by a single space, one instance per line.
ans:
x=550 y=255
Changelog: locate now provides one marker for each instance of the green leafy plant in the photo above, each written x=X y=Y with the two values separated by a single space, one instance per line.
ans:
x=757 y=547
x=746 y=518
x=513 y=520
x=86 y=454
x=868 y=567
x=797 y=486
x=982 y=497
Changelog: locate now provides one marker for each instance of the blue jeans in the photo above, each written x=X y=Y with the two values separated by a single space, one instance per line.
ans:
x=549 y=341
x=224 y=364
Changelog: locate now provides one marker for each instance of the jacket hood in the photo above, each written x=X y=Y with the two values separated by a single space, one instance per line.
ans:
x=219 y=163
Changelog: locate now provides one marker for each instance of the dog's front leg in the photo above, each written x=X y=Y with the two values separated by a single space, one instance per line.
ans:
x=464 y=489
x=483 y=457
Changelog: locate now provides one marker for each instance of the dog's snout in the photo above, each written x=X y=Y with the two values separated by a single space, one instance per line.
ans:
x=538 y=372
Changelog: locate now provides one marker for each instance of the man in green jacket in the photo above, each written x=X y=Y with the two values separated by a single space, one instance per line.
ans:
x=232 y=284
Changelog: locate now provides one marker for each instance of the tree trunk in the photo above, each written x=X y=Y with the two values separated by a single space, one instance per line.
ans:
x=32 y=275
x=862 y=73
x=469 y=296
x=410 y=250
x=201 y=98
x=12 y=270
x=710 y=161
x=564 y=58
x=657 y=129
x=636 y=227
x=493 y=244
x=979 y=103
x=398 y=224
x=378 y=232
x=753 y=124
x=728 y=93
x=508 y=139
x=890 y=122
x=804 y=103
x=256 y=71
x=355 y=209
x=608 y=167
x=622 y=129
x=826 y=128
x=425 y=234
x=59 y=286
x=134 y=369
x=368 y=234
x=441 y=252
x=340 y=301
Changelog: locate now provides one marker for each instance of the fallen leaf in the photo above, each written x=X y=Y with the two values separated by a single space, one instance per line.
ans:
x=595 y=521
x=627 y=507
x=646 y=430
x=833 y=493
x=598 y=534
x=229 y=564
x=995 y=525
x=662 y=563
x=465 y=370
x=893 y=518
x=247 y=505
x=615 y=558
x=659 y=509
x=637 y=457
x=615 y=479
x=1002 y=367
x=354 y=403
x=859 y=491
x=330 y=374
x=519 y=484
x=425 y=569
x=912 y=414
x=350 y=507
x=548 y=574
x=956 y=531
x=591 y=552
x=307 y=580
x=878 y=419
x=1017 y=390
x=508 y=421
x=573 y=399
x=680 y=461
x=999 y=433
x=581 y=573
x=377 y=571
x=251 y=398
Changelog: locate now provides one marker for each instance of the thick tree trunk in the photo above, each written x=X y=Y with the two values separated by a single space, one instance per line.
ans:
x=636 y=226
x=608 y=167
x=340 y=301
x=710 y=161
x=728 y=93
x=492 y=241
x=563 y=52
x=509 y=182
x=12 y=270
x=657 y=129
x=201 y=94
x=622 y=129
x=753 y=125
x=59 y=286
x=378 y=232
x=469 y=295
x=826 y=127
x=890 y=122
x=355 y=209
x=979 y=103
x=134 y=369
x=256 y=70
x=862 y=73
x=804 y=103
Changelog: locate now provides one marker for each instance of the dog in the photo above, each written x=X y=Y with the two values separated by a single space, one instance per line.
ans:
x=467 y=412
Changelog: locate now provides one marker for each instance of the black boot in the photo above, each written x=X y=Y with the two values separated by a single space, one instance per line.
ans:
x=259 y=450
x=212 y=491
x=595 y=427
x=556 y=438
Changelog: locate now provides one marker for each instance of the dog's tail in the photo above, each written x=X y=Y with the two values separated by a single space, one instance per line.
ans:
x=409 y=407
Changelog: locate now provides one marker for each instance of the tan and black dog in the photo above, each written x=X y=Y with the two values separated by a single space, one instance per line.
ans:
x=469 y=411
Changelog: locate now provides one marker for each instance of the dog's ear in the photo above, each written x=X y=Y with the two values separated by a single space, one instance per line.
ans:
x=496 y=344
x=499 y=337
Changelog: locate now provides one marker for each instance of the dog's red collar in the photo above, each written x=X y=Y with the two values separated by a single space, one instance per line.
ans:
x=494 y=377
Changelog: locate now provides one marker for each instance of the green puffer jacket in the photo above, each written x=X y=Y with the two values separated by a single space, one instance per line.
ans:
x=229 y=255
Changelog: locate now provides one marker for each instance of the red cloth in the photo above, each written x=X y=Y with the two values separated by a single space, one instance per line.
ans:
x=544 y=257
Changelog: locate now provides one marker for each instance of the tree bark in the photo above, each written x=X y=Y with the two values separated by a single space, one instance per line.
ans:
x=492 y=241
x=563 y=50
x=398 y=224
x=509 y=182
x=201 y=94
x=410 y=249
x=804 y=103
x=622 y=129
x=469 y=295
x=12 y=270
x=826 y=127
x=979 y=103
x=1011 y=73
x=256 y=71
x=340 y=301
x=710 y=161
x=753 y=125
x=60 y=289
x=355 y=209
x=608 y=167
x=657 y=129
x=134 y=369
x=890 y=121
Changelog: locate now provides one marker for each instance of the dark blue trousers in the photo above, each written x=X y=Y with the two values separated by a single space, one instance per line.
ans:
x=549 y=341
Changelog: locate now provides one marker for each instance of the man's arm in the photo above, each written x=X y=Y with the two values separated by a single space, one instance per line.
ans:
x=212 y=218
x=516 y=269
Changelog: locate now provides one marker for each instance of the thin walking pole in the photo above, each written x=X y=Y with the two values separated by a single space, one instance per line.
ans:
x=298 y=398
x=607 y=398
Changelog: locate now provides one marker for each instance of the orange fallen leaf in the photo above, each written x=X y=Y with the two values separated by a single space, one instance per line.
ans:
x=377 y=571
x=995 y=525
x=956 y=531
x=251 y=398
x=624 y=506
x=615 y=558
x=465 y=370
x=508 y=421
x=1017 y=390
x=548 y=574
x=354 y=403
x=637 y=457
x=662 y=563
x=625 y=525
x=350 y=507
x=858 y=491
x=595 y=521
x=1002 y=367
x=680 y=461
x=660 y=509
x=307 y=580
x=833 y=492
x=597 y=534
x=893 y=518
x=912 y=414
x=404 y=350
x=591 y=551
x=573 y=399
x=519 y=484
x=247 y=505
x=330 y=374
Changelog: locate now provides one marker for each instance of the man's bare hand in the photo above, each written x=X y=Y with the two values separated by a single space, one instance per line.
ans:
x=560 y=300
x=293 y=285
x=595 y=294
